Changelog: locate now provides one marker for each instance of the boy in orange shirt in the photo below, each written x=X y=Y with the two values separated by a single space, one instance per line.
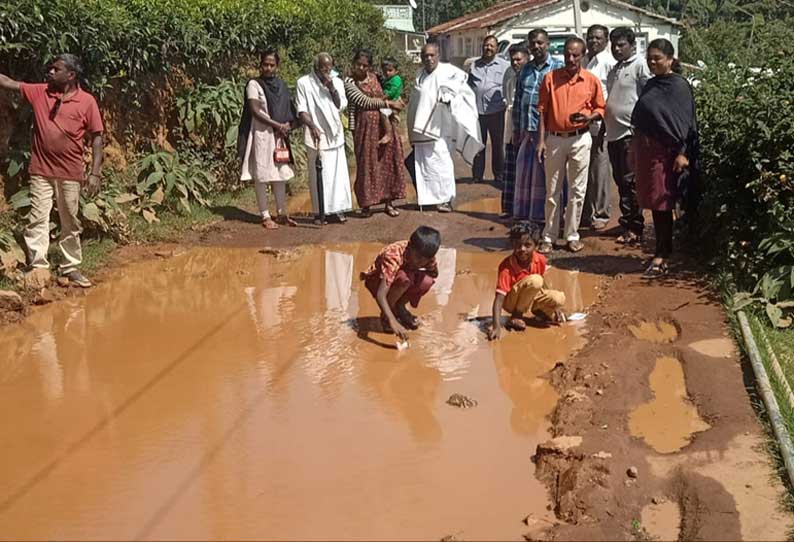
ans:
x=520 y=286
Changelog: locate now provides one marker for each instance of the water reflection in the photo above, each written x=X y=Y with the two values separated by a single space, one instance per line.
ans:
x=222 y=394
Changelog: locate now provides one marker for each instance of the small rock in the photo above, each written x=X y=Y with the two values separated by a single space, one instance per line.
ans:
x=599 y=392
x=530 y=520
x=748 y=486
x=658 y=500
x=549 y=507
x=629 y=483
x=559 y=444
x=595 y=373
x=605 y=365
x=461 y=401
x=450 y=538
x=632 y=472
x=10 y=301
x=602 y=455
x=63 y=282
x=37 y=279
x=164 y=253
x=44 y=297
x=605 y=426
x=573 y=396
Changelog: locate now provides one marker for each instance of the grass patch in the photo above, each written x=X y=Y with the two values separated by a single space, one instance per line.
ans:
x=757 y=326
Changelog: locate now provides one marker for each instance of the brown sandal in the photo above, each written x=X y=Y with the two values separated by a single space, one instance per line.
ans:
x=285 y=220
x=269 y=224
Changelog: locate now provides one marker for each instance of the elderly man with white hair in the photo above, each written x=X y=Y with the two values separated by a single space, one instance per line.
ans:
x=442 y=116
x=320 y=100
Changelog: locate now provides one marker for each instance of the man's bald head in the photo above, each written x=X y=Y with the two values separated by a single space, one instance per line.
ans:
x=429 y=56
x=323 y=64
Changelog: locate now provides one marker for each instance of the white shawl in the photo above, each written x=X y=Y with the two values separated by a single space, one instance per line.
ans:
x=443 y=106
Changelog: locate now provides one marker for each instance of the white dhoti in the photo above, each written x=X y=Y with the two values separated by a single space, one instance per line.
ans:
x=336 y=180
x=435 y=172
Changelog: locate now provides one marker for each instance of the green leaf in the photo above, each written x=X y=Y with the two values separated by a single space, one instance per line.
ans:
x=774 y=313
x=20 y=200
x=149 y=216
x=92 y=213
x=158 y=196
x=126 y=198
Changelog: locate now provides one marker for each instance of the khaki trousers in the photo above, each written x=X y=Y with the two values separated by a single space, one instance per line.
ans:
x=569 y=155
x=528 y=296
x=43 y=190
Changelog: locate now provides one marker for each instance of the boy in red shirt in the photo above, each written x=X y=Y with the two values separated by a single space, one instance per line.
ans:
x=520 y=285
x=403 y=272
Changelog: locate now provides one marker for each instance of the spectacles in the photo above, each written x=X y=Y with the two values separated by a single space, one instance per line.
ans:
x=56 y=108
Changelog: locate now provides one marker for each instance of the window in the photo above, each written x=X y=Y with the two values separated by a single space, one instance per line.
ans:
x=469 y=47
x=461 y=52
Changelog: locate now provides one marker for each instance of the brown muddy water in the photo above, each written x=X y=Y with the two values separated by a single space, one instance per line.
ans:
x=227 y=394
x=668 y=422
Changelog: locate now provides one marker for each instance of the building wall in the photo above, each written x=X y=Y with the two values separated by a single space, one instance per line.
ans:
x=559 y=19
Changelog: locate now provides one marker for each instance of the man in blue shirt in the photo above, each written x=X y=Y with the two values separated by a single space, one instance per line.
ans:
x=485 y=78
x=530 y=191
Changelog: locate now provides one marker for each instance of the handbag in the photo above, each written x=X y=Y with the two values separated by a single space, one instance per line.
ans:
x=281 y=153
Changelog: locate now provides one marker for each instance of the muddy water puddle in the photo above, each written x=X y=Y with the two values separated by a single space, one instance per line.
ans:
x=227 y=394
x=656 y=332
x=667 y=422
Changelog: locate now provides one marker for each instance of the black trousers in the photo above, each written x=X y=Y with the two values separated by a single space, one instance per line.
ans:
x=663 y=226
x=631 y=215
x=493 y=125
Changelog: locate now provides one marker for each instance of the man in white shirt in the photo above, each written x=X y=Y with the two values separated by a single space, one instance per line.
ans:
x=624 y=83
x=442 y=117
x=320 y=99
x=599 y=60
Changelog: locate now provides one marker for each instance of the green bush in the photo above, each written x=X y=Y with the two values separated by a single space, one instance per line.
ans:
x=746 y=114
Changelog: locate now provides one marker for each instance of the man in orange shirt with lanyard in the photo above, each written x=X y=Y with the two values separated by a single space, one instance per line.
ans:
x=65 y=115
x=570 y=99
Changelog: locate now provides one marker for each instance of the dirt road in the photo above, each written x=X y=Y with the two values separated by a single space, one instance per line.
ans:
x=659 y=389
x=655 y=433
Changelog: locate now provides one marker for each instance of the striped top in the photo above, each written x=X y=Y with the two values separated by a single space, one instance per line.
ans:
x=358 y=100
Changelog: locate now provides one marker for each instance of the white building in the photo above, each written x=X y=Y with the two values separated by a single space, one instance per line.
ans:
x=512 y=20
x=400 y=20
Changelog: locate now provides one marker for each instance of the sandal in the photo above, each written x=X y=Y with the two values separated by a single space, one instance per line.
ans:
x=318 y=222
x=365 y=212
x=516 y=324
x=444 y=208
x=545 y=248
x=269 y=224
x=391 y=211
x=341 y=218
x=629 y=238
x=655 y=270
x=285 y=220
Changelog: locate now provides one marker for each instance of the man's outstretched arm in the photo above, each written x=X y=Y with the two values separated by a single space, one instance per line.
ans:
x=7 y=83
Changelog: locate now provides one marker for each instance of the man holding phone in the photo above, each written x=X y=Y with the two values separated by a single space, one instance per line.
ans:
x=570 y=99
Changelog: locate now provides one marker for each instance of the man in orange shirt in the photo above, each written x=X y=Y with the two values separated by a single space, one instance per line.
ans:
x=570 y=99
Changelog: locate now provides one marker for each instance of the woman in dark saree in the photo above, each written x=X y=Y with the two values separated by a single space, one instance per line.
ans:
x=379 y=155
x=664 y=147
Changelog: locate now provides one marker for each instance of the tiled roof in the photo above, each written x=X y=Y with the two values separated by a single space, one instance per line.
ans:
x=505 y=11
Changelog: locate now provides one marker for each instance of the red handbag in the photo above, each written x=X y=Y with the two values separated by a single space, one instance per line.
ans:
x=281 y=153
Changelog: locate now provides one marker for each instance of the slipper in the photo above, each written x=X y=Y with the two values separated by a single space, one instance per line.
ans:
x=444 y=208
x=655 y=270
x=269 y=224
x=318 y=222
x=341 y=218
x=629 y=238
x=285 y=220
x=516 y=324
x=545 y=248
x=391 y=211
x=575 y=246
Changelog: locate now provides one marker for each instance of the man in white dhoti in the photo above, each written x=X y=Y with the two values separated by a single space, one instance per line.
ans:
x=442 y=116
x=320 y=99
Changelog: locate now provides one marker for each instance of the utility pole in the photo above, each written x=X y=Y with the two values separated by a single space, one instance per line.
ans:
x=577 y=17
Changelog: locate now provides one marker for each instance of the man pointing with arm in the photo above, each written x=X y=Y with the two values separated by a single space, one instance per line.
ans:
x=65 y=116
